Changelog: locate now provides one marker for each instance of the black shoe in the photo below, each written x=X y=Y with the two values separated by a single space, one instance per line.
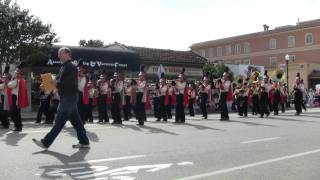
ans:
x=158 y=120
x=17 y=129
x=140 y=124
x=40 y=144
x=37 y=122
x=268 y=114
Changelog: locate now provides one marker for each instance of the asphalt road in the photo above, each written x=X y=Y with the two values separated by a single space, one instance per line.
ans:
x=278 y=147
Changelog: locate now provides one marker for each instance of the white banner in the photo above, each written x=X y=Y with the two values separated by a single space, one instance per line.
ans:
x=172 y=70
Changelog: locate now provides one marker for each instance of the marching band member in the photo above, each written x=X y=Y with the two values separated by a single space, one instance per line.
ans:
x=128 y=90
x=191 y=97
x=205 y=96
x=44 y=108
x=263 y=101
x=163 y=98
x=103 y=98
x=142 y=98
x=276 y=97
x=255 y=98
x=298 y=94
x=117 y=99
x=238 y=93
x=19 y=96
x=181 y=97
x=92 y=100
x=6 y=97
x=225 y=95
x=155 y=99
x=83 y=92
x=244 y=97
x=171 y=99
x=304 y=95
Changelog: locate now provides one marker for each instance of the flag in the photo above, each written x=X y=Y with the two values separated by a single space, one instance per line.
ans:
x=160 y=70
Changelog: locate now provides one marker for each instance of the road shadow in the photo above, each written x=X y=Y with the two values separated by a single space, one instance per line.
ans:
x=249 y=123
x=201 y=127
x=305 y=115
x=4 y=131
x=13 y=138
x=91 y=135
x=72 y=166
x=133 y=127
x=293 y=120
x=154 y=130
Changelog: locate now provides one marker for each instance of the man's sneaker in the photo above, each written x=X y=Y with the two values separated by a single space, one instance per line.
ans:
x=40 y=144
x=81 y=146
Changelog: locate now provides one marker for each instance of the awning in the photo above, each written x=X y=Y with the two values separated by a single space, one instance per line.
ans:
x=315 y=74
x=96 y=58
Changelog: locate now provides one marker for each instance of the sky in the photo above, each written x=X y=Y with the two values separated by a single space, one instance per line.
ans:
x=166 y=24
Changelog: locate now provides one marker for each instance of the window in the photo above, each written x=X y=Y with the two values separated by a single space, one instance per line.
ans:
x=228 y=50
x=291 y=41
x=272 y=44
x=206 y=53
x=237 y=62
x=219 y=51
x=246 y=47
x=237 y=49
x=308 y=38
x=273 y=61
x=202 y=52
x=211 y=52
x=246 y=61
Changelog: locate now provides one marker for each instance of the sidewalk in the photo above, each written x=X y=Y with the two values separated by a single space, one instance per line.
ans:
x=31 y=116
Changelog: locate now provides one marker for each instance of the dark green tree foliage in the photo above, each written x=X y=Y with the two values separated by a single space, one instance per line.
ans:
x=91 y=43
x=23 y=37
x=216 y=70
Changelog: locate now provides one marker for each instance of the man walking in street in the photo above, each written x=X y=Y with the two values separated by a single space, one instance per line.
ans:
x=67 y=85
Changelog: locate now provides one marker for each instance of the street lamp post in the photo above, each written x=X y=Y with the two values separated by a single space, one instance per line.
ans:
x=287 y=58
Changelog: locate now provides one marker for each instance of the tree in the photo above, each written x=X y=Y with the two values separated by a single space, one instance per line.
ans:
x=23 y=36
x=216 y=70
x=91 y=43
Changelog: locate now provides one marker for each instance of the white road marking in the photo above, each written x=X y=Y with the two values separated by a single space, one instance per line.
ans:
x=259 y=163
x=127 y=170
x=106 y=160
x=260 y=140
x=185 y=163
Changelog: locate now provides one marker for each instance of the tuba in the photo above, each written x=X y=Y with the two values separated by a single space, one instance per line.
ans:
x=254 y=78
x=278 y=75
x=240 y=80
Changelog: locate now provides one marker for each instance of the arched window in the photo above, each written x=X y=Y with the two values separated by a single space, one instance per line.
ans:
x=272 y=44
x=308 y=38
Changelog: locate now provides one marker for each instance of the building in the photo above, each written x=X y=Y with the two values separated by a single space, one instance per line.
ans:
x=172 y=61
x=269 y=47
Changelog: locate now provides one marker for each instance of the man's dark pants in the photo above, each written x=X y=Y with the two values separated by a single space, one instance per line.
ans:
x=67 y=109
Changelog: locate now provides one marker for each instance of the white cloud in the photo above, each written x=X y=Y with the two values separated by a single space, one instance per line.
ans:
x=170 y=24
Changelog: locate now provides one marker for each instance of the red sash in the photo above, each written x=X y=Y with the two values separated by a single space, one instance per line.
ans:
x=85 y=95
x=23 y=94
